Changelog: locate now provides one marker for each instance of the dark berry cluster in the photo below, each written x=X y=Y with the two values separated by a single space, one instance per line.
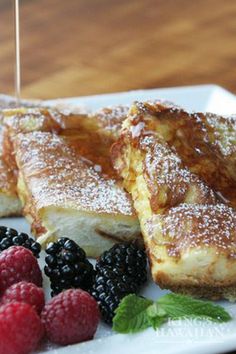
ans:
x=67 y=266
x=119 y=272
x=10 y=237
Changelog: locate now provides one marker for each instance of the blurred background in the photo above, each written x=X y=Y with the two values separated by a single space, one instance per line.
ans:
x=82 y=47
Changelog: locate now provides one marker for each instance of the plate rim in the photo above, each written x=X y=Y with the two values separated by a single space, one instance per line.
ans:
x=209 y=88
x=228 y=341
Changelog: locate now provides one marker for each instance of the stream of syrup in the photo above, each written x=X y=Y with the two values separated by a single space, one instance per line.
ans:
x=17 y=51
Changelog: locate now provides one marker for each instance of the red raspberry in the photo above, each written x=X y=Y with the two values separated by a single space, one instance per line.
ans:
x=71 y=317
x=20 y=328
x=16 y=264
x=25 y=292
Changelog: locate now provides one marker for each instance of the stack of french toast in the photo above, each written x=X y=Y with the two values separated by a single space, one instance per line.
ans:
x=150 y=172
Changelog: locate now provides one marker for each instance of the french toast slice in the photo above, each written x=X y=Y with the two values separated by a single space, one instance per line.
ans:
x=66 y=180
x=10 y=204
x=206 y=143
x=102 y=127
x=189 y=233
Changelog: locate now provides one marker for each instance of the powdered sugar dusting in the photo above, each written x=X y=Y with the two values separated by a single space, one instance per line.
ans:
x=27 y=120
x=224 y=132
x=56 y=175
x=158 y=105
x=185 y=211
x=182 y=151
x=111 y=118
x=164 y=169
x=190 y=226
x=7 y=179
x=164 y=163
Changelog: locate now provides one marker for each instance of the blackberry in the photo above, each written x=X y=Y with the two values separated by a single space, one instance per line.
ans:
x=10 y=237
x=119 y=272
x=67 y=266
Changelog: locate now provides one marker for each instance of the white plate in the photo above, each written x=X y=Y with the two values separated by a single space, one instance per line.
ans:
x=179 y=336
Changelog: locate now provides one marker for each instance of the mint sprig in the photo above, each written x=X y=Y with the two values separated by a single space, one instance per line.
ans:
x=131 y=315
x=135 y=313
x=182 y=306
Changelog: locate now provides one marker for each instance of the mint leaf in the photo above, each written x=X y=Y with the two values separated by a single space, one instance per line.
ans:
x=156 y=315
x=135 y=313
x=155 y=310
x=182 y=306
x=131 y=315
x=156 y=322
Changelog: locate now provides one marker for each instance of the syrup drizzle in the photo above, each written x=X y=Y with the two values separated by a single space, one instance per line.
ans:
x=17 y=52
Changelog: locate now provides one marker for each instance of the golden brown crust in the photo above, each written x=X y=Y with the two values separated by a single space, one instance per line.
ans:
x=7 y=178
x=56 y=174
x=208 y=292
x=190 y=235
x=29 y=209
x=64 y=160
x=94 y=144
x=110 y=119
x=10 y=204
x=206 y=143
x=190 y=226
x=25 y=120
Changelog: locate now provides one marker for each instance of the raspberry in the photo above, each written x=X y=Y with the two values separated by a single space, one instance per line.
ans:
x=25 y=292
x=71 y=317
x=16 y=264
x=20 y=328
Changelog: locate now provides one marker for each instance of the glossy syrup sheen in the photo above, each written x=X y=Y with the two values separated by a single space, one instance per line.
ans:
x=176 y=208
x=94 y=149
x=197 y=142
x=80 y=131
